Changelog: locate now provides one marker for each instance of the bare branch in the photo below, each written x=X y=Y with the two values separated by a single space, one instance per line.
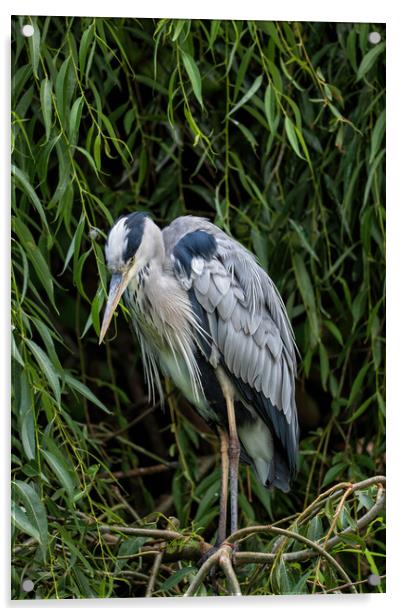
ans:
x=288 y=533
x=154 y=573
x=192 y=547
x=202 y=574
x=227 y=567
x=141 y=471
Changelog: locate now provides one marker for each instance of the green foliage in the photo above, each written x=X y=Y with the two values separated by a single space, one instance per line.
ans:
x=275 y=131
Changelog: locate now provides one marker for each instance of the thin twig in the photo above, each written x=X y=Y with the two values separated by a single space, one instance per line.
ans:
x=154 y=572
x=140 y=472
x=343 y=586
x=127 y=505
x=155 y=533
x=335 y=491
x=330 y=531
x=288 y=533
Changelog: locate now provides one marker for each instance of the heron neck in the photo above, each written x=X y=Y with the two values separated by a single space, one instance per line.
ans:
x=153 y=244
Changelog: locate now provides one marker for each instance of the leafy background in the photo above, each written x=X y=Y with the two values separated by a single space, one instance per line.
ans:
x=275 y=131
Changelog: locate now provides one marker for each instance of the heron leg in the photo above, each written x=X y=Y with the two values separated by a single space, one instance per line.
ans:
x=223 y=504
x=234 y=455
x=234 y=445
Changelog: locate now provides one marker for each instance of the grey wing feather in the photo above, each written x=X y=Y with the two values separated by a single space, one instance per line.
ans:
x=253 y=332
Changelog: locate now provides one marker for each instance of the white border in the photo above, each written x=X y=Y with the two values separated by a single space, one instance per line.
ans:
x=309 y=10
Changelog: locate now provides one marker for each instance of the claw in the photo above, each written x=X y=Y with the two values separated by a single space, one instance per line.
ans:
x=207 y=555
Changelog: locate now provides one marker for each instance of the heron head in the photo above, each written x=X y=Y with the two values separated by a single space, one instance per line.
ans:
x=128 y=247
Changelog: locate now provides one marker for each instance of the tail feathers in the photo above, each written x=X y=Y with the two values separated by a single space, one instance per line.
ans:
x=279 y=474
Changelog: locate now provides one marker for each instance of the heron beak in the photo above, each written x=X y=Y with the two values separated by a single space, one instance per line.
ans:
x=118 y=284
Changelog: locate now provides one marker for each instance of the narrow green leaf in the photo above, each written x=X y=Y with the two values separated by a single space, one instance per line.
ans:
x=303 y=239
x=369 y=59
x=35 y=511
x=330 y=325
x=194 y=126
x=281 y=578
x=75 y=119
x=276 y=76
x=373 y=169
x=27 y=432
x=25 y=271
x=359 y=305
x=83 y=390
x=128 y=547
x=47 y=336
x=249 y=94
x=34 y=48
x=46 y=104
x=64 y=169
x=371 y=561
x=215 y=25
x=366 y=501
x=357 y=383
x=97 y=151
x=209 y=499
x=35 y=257
x=194 y=75
x=292 y=137
x=333 y=473
x=96 y=307
x=363 y=407
x=178 y=28
x=270 y=107
x=89 y=158
x=351 y=49
x=59 y=465
x=245 y=61
x=74 y=244
x=24 y=184
x=247 y=133
x=78 y=267
x=315 y=529
x=177 y=577
x=15 y=353
x=21 y=521
x=64 y=87
x=85 y=42
x=324 y=365
x=47 y=368
x=308 y=296
x=271 y=29
x=74 y=547
x=120 y=145
x=26 y=416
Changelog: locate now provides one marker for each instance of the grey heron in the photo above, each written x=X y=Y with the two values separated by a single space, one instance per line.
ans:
x=210 y=318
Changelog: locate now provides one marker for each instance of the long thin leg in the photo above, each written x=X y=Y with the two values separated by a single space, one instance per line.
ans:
x=223 y=504
x=234 y=455
x=234 y=446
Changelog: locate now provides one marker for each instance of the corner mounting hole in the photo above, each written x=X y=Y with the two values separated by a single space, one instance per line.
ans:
x=27 y=30
x=27 y=585
x=374 y=37
x=374 y=579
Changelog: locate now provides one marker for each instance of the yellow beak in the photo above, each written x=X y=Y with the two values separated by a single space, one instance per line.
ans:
x=118 y=284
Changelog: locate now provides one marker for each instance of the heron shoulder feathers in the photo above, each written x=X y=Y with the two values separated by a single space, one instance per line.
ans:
x=246 y=317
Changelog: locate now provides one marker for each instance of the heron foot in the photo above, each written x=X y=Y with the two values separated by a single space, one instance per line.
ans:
x=221 y=547
x=207 y=555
